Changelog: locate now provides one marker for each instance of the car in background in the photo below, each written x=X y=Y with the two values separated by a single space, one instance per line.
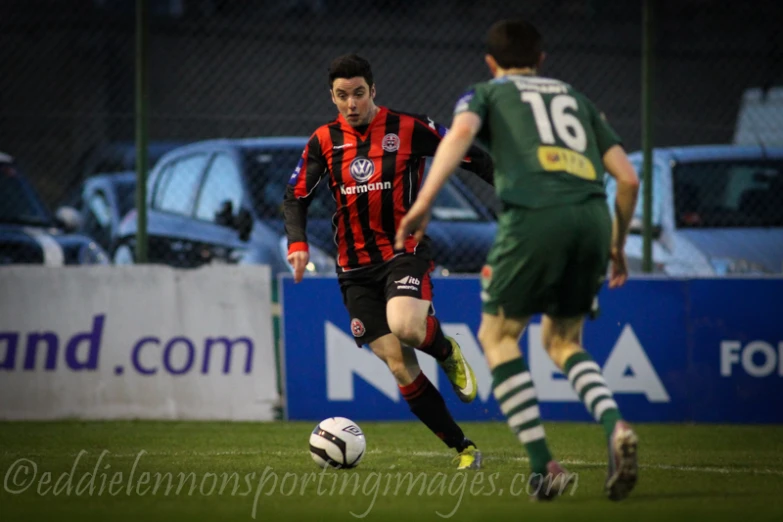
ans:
x=220 y=201
x=105 y=191
x=100 y=202
x=30 y=234
x=717 y=210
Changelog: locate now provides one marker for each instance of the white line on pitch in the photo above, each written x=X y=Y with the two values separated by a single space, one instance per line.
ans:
x=667 y=467
x=568 y=462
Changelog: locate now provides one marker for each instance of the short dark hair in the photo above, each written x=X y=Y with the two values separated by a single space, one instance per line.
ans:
x=514 y=43
x=350 y=66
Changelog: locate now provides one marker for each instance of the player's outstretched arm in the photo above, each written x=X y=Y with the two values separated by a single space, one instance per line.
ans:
x=617 y=165
x=295 y=220
x=307 y=175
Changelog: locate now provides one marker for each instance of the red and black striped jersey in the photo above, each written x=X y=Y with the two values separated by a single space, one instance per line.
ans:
x=374 y=174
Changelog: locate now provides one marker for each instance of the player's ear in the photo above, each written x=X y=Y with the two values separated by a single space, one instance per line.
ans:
x=331 y=93
x=491 y=63
x=372 y=92
x=541 y=59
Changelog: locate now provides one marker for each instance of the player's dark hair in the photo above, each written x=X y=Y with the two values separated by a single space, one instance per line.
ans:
x=514 y=44
x=350 y=66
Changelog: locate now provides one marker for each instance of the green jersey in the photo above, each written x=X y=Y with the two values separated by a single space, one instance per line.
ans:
x=546 y=139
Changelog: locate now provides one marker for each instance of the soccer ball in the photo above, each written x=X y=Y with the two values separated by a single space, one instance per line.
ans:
x=337 y=442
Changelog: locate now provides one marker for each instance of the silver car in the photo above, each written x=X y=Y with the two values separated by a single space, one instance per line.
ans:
x=717 y=210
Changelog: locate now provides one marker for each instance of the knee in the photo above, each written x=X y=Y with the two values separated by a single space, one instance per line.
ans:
x=547 y=340
x=409 y=329
x=559 y=348
x=553 y=344
x=487 y=336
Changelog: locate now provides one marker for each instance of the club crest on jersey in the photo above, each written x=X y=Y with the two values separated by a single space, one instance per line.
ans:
x=362 y=169
x=357 y=328
x=390 y=142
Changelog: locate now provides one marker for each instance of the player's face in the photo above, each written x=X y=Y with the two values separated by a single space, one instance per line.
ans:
x=354 y=100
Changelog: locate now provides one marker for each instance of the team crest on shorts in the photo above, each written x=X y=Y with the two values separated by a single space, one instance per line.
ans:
x=486 y=275
x=357 y=328
x=390 y=142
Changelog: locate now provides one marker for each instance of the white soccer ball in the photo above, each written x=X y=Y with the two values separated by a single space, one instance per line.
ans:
x=337 y=442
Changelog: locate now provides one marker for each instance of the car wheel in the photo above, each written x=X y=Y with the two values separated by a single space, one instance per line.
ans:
x=123 y=255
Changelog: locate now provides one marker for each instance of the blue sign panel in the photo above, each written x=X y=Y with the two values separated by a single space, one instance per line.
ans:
x=736 y=345
x=671 y=350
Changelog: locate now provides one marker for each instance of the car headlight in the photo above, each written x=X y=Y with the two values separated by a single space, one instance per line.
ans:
x=320 y=262
x=92 y=254
x=728 y=266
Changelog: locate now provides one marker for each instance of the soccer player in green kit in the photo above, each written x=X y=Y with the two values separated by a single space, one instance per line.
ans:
x=554 y=243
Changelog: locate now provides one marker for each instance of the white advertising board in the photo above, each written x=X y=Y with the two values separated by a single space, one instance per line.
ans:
x=136 y=342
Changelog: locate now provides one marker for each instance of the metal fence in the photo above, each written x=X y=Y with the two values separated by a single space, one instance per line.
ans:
x=221 y=69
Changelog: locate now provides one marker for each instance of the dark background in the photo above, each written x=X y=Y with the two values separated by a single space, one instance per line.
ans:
x=222 y=68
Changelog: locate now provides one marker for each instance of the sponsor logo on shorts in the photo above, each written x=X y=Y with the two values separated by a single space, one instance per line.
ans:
x=408 y=283
x=357 y=328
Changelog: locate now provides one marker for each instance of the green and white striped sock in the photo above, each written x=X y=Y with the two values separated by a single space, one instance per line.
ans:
x=588 y=382
x=514 y=391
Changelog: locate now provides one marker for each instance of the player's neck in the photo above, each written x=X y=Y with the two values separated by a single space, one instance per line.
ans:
x=361 y=127
x=523 y=71
x=373 y=113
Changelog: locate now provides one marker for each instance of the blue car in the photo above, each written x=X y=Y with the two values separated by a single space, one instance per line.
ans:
x=30 y=234
x=100 y=203
x=717 y=211
x=220 y=201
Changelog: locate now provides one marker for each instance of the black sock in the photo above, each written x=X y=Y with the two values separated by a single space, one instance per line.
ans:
x=426 y=402
x=435 y=343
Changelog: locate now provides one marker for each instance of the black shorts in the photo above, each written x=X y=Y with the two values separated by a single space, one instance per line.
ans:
x=367 y=290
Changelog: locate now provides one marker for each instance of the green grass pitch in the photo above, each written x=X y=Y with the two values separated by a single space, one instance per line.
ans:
x=188 y=471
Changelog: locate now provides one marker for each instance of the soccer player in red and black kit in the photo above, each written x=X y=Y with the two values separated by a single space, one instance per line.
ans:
x=372 y=158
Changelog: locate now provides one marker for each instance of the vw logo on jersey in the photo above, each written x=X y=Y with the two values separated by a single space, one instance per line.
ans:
x=362 y=169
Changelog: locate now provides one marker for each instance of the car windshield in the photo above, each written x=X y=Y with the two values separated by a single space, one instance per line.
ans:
x=270 y=169
x=20 y=205
x=729 y=194
x=268 y=172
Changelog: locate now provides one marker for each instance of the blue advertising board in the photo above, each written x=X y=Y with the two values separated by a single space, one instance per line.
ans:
x=736 y=350
x=672 y=350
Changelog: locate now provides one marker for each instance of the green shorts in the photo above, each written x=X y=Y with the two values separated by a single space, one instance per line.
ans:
x=548 y=261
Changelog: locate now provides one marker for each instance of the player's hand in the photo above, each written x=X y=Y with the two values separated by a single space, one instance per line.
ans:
x=298 y=261
x=414 y=222
x=619 y=271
